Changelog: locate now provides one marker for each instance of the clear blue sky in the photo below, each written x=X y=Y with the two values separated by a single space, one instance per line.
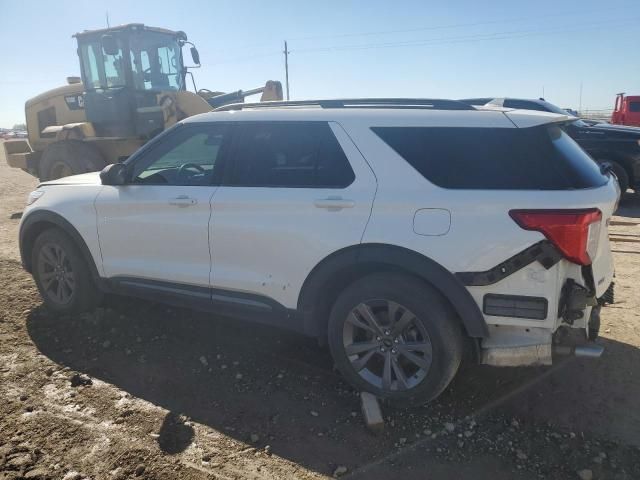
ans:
x=450 y=49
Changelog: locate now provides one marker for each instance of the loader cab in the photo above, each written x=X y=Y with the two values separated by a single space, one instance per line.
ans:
x=129 y=75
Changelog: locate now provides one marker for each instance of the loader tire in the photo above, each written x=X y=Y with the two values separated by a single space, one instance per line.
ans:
x=69 y=157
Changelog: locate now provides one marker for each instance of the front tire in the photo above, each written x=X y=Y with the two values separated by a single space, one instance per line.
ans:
x=396 y=337
x=62 y=274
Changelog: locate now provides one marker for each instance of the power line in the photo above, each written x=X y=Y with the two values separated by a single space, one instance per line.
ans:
x=467 y=38
x=447 y=40
x=572 y=13
x=453 y=25
x=245 y=58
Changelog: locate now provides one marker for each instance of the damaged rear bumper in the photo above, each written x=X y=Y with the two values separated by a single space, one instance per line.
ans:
x=513 y=347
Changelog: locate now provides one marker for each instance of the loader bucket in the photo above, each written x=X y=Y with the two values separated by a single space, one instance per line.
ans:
x=272 y=91
x=17 y=153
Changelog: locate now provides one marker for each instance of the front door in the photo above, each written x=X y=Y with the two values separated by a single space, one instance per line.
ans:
x=154 y=230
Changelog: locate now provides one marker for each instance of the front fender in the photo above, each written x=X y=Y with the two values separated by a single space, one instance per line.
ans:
x=39 y=220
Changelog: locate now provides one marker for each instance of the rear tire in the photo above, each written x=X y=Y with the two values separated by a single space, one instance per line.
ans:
x=62 y=274
x=69 y=157
x=414 y=338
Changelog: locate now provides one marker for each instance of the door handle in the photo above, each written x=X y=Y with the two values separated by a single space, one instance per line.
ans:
x=183 y=201
x=334 y=203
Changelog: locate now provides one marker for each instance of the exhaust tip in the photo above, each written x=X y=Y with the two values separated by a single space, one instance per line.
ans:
x=591 y=350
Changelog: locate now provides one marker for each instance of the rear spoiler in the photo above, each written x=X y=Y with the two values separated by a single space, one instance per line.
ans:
x=529 y=118
x=533 y=118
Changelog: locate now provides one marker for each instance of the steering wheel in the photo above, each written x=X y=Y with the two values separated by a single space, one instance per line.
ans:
x=182 y=171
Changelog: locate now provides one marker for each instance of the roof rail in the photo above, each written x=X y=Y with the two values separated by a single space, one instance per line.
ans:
x=394 y=103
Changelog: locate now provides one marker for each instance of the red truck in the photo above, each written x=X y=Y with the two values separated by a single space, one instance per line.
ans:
x=626 y=110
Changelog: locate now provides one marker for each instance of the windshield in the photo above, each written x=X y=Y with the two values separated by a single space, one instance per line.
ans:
x=156 y=61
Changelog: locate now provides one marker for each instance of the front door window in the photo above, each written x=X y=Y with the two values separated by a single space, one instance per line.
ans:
x=188 y=157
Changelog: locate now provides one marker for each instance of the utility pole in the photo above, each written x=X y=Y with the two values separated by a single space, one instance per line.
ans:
x=107 y=15
x=286 y=67
x=580 y=100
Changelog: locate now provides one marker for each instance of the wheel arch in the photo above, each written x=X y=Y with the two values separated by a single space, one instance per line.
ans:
x=37 y=222
x=341 y=268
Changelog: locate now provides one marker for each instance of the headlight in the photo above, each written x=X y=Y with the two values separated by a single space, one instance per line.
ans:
x=33 y=196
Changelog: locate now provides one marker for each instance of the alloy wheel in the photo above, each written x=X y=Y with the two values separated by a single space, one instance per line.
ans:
x=56 y=274
x=387 y=345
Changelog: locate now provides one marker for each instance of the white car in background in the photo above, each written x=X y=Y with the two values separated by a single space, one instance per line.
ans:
x=406 y=234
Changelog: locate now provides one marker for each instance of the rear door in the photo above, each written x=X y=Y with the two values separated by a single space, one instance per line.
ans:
x=295 y=193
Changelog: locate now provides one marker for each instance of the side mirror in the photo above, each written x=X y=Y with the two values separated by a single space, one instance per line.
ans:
x=195 y=56
x=114 y=174
x=110 y=45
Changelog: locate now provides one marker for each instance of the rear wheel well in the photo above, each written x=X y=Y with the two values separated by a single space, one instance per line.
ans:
x=331 y=288
x=343 y=266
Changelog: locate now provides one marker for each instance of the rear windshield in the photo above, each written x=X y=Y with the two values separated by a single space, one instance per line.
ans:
x=538 y=158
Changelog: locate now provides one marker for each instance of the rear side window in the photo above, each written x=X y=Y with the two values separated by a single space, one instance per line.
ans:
x=282 y=154
x=538 y=158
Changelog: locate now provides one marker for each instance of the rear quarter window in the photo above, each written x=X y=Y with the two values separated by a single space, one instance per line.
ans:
x=538 y=158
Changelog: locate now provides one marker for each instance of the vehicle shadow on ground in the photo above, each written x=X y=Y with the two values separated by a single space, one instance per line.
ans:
x=598 y=397
x=242 y=379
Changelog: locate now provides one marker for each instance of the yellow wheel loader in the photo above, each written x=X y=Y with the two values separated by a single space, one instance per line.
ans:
x=133 y=87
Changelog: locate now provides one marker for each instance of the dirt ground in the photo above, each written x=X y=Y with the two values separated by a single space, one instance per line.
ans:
x=139 y=390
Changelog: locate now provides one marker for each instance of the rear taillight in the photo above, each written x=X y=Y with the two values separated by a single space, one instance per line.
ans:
x=574 y=232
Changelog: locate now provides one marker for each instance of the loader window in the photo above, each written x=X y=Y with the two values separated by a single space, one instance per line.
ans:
x=156 y=61
x=102 y=71
x=91 y=68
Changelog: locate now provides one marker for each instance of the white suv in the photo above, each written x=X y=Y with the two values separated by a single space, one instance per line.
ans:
x=405 y=233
